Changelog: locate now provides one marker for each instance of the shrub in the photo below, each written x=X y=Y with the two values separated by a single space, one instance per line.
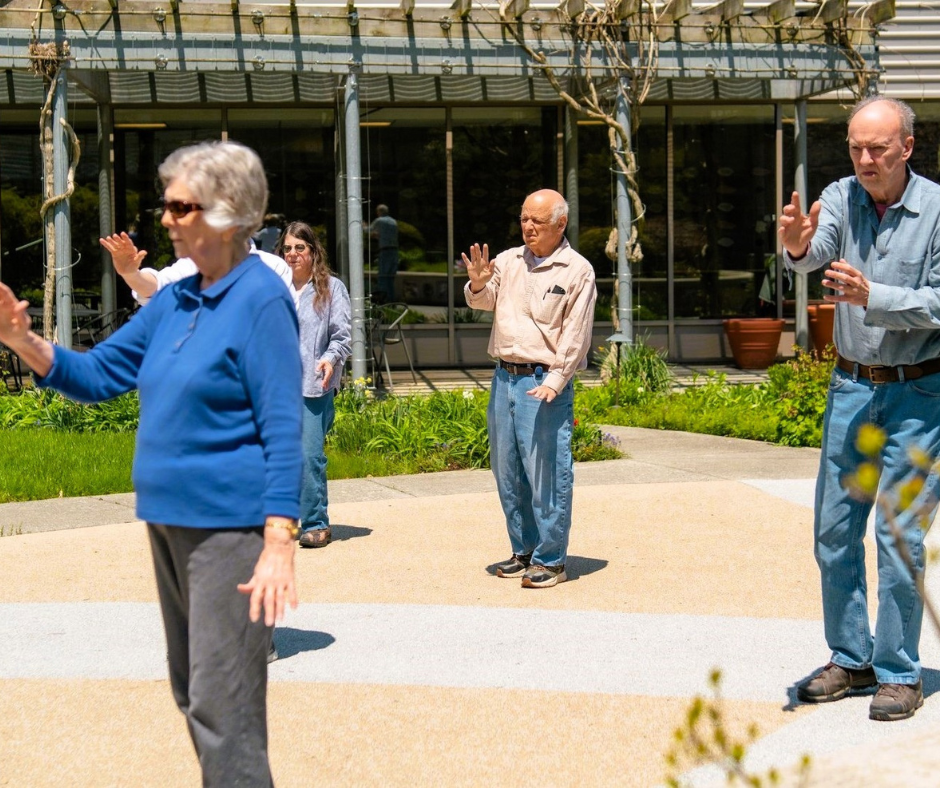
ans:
x=640 y=364
x=796 y=393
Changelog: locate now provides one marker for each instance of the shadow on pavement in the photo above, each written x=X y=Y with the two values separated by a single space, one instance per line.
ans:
x=343 y=532
x=290 y=641
x=576 y=566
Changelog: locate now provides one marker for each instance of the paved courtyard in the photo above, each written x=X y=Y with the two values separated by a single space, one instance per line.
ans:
x=409 y=663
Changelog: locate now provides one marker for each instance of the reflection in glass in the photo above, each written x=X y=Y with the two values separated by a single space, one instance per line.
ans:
x=597 y=193
x=404 y=165
x=725 y=210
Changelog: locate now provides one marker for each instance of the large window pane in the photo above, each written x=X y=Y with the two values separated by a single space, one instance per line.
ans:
x=23 y=251
x=725 y=207
x=597 y=193
x=404 y=167
x=296 y=147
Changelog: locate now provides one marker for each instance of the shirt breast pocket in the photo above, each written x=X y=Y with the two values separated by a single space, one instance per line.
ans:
x=909 y=273
x=547 y=310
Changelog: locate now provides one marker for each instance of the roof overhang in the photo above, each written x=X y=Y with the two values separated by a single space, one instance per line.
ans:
x=179 y=52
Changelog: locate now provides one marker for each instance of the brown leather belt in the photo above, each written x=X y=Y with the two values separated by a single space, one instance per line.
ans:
x=890 y=374
x=519 y=369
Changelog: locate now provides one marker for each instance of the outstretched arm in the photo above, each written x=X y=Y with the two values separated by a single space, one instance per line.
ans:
x=127 y=259
x=15 y=333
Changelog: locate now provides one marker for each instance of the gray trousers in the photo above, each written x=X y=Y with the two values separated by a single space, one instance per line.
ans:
x=217 y=657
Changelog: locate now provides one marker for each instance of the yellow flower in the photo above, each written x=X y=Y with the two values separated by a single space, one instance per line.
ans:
x=908 y=491
x=865 y=479
x=919 y=458
x=870 y=440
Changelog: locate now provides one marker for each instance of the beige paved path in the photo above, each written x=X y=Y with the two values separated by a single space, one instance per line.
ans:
x=408 y=663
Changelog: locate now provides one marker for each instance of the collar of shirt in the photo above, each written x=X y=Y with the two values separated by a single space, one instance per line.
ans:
x=910 y=199
x=532 y=261
x=190 y=286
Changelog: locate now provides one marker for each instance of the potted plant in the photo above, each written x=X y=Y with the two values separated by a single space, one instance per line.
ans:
x=822 y=316
x=754 y=340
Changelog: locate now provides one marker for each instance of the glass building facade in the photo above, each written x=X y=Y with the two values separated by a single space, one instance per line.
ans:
x=711 y=178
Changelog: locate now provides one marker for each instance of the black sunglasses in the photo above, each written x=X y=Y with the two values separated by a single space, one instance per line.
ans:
x=180 y=208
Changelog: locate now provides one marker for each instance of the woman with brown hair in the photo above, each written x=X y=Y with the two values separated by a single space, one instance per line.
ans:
x=323 y=310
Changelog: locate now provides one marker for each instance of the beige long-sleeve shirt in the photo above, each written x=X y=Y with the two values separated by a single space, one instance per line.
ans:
x=543 y=314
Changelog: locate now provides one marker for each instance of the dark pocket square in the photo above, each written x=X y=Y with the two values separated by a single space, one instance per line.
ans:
x=558 y=290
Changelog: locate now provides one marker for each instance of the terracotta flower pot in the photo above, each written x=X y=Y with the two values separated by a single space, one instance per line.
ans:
x=821 y=320
x=754 y=340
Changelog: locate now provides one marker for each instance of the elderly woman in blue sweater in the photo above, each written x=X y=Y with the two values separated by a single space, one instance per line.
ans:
x=325 y=343
x=217 y=468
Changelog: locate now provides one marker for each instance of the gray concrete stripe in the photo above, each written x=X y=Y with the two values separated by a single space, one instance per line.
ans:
x=569 y=651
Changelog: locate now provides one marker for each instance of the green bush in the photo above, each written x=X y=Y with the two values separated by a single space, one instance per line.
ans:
x=796 y=392
x=46 y=408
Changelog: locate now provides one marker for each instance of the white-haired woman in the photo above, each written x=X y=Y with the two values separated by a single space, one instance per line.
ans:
x=218 y=463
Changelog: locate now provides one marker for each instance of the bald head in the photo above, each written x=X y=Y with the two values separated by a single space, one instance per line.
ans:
x=544 y=219
x=880 y=148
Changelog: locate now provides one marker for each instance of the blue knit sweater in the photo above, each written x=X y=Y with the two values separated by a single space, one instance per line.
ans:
x=219 y=375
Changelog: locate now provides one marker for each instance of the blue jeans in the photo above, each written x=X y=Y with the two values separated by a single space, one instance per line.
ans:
x=388 y=267
x=317 y=421
x=530 y=453
x=909 y=414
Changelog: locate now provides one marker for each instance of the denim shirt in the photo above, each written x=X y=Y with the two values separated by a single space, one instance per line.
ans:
x=900 y=256
x=324 y=334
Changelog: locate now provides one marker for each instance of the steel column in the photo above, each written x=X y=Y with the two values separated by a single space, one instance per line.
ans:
x=354 y=229
x=624 y=224
x=801 y=322
x=61 y=218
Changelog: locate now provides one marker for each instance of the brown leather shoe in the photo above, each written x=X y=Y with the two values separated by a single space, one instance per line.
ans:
x=834 y=683
x=896 y=702
x=316 y=537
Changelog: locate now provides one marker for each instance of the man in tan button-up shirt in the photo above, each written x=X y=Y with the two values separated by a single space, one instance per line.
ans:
x=542 y=295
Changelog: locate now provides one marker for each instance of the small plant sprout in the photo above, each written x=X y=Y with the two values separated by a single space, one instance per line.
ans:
x=703 y=738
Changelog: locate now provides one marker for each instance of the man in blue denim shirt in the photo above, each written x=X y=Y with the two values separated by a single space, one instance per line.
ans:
x=878 y=234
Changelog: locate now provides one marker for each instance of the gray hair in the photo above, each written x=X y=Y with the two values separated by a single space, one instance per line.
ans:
x=227 y=179
x=905 y=113
x=559 y=210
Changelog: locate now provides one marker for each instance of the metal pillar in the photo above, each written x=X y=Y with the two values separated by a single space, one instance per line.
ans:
x=342 y=242
x=354 y=225
x=801 y=322
x=451 y=254
x=572 y=232
x=63 y=230
x=624 y=223
x=105 y=203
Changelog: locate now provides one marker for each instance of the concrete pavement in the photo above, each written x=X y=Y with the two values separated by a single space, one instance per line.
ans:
x=409 y=663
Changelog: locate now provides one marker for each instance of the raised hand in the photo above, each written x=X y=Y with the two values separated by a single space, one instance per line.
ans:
x=14 y=320
x=126 y=257
x=479 y=266
x=796 y=229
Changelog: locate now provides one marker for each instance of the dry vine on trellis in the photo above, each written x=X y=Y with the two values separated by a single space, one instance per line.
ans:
x=45 y=60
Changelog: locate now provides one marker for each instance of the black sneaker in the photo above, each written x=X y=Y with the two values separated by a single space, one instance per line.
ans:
x=514 y=567
x=543 y=576
x=834 y=683
x=896 y=702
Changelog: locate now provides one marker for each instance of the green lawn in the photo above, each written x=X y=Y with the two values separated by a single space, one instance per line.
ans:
x=37 y=463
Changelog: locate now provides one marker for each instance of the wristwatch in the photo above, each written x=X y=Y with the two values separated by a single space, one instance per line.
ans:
x=292 y=526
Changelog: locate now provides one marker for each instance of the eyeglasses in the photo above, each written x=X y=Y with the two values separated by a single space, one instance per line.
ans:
x=180 y=208
x=299 y=248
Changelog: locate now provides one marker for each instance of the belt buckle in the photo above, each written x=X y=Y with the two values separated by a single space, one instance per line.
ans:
x=880 y=374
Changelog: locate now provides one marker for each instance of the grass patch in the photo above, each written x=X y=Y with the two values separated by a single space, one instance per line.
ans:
x=38 y=463
x=346 y=465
